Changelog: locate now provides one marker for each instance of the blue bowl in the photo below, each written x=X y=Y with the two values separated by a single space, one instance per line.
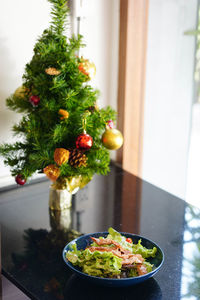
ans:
x=83 y=242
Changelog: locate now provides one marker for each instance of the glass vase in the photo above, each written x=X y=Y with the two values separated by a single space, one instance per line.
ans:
x=59 y=199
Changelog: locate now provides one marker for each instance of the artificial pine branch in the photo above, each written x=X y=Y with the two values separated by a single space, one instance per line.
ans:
x=41 y=127
x=59 y=14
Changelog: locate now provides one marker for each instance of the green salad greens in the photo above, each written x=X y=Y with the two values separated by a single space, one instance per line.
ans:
x=114 y=256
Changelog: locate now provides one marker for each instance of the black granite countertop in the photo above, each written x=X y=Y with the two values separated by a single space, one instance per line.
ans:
x=33 y=237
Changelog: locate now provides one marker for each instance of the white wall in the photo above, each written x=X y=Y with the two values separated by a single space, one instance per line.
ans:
x=169 y=93
x=22 y=21
x=100 y=27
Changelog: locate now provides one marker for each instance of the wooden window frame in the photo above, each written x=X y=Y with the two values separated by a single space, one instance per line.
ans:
x=131 y=82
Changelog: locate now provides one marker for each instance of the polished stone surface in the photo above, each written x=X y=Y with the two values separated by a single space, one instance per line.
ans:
x=33 y=237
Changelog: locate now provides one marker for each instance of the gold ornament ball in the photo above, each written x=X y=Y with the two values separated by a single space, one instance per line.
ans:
x=112 y=139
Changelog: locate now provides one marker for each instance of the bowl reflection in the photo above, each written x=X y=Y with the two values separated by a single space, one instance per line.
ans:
x=78 y=288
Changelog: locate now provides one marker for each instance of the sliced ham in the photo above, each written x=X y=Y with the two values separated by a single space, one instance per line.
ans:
x=141 y=269
x=103 y=242
x=127 y=259
x=134 y=258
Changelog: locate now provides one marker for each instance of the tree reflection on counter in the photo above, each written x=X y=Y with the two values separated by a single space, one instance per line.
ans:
x=191 y=248
x=43 y=252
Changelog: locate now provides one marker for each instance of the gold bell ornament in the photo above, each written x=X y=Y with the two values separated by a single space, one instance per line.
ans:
x=112 y=139
x=21 y=91
x=52 y=172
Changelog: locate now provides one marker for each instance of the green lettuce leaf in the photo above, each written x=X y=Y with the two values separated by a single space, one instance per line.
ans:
x=148 y=266
x=132 y=273
x=73 y=256
x=116 y=236
x=139 y=249
x=102 y=264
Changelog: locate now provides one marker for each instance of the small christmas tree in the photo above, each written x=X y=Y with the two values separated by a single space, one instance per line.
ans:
x=61 y=128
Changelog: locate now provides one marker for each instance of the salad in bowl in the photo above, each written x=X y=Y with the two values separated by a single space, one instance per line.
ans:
x=113 y=255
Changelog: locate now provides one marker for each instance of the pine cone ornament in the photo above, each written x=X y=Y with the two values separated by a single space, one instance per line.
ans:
x=77 y=159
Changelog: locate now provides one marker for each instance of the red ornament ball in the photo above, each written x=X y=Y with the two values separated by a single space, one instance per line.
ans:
x=84 y=141
x=110 y=124
x=20 y=180
x=34 y=100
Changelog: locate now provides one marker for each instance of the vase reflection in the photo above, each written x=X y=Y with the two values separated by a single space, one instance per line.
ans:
x=43 y=252
x=60 y=219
